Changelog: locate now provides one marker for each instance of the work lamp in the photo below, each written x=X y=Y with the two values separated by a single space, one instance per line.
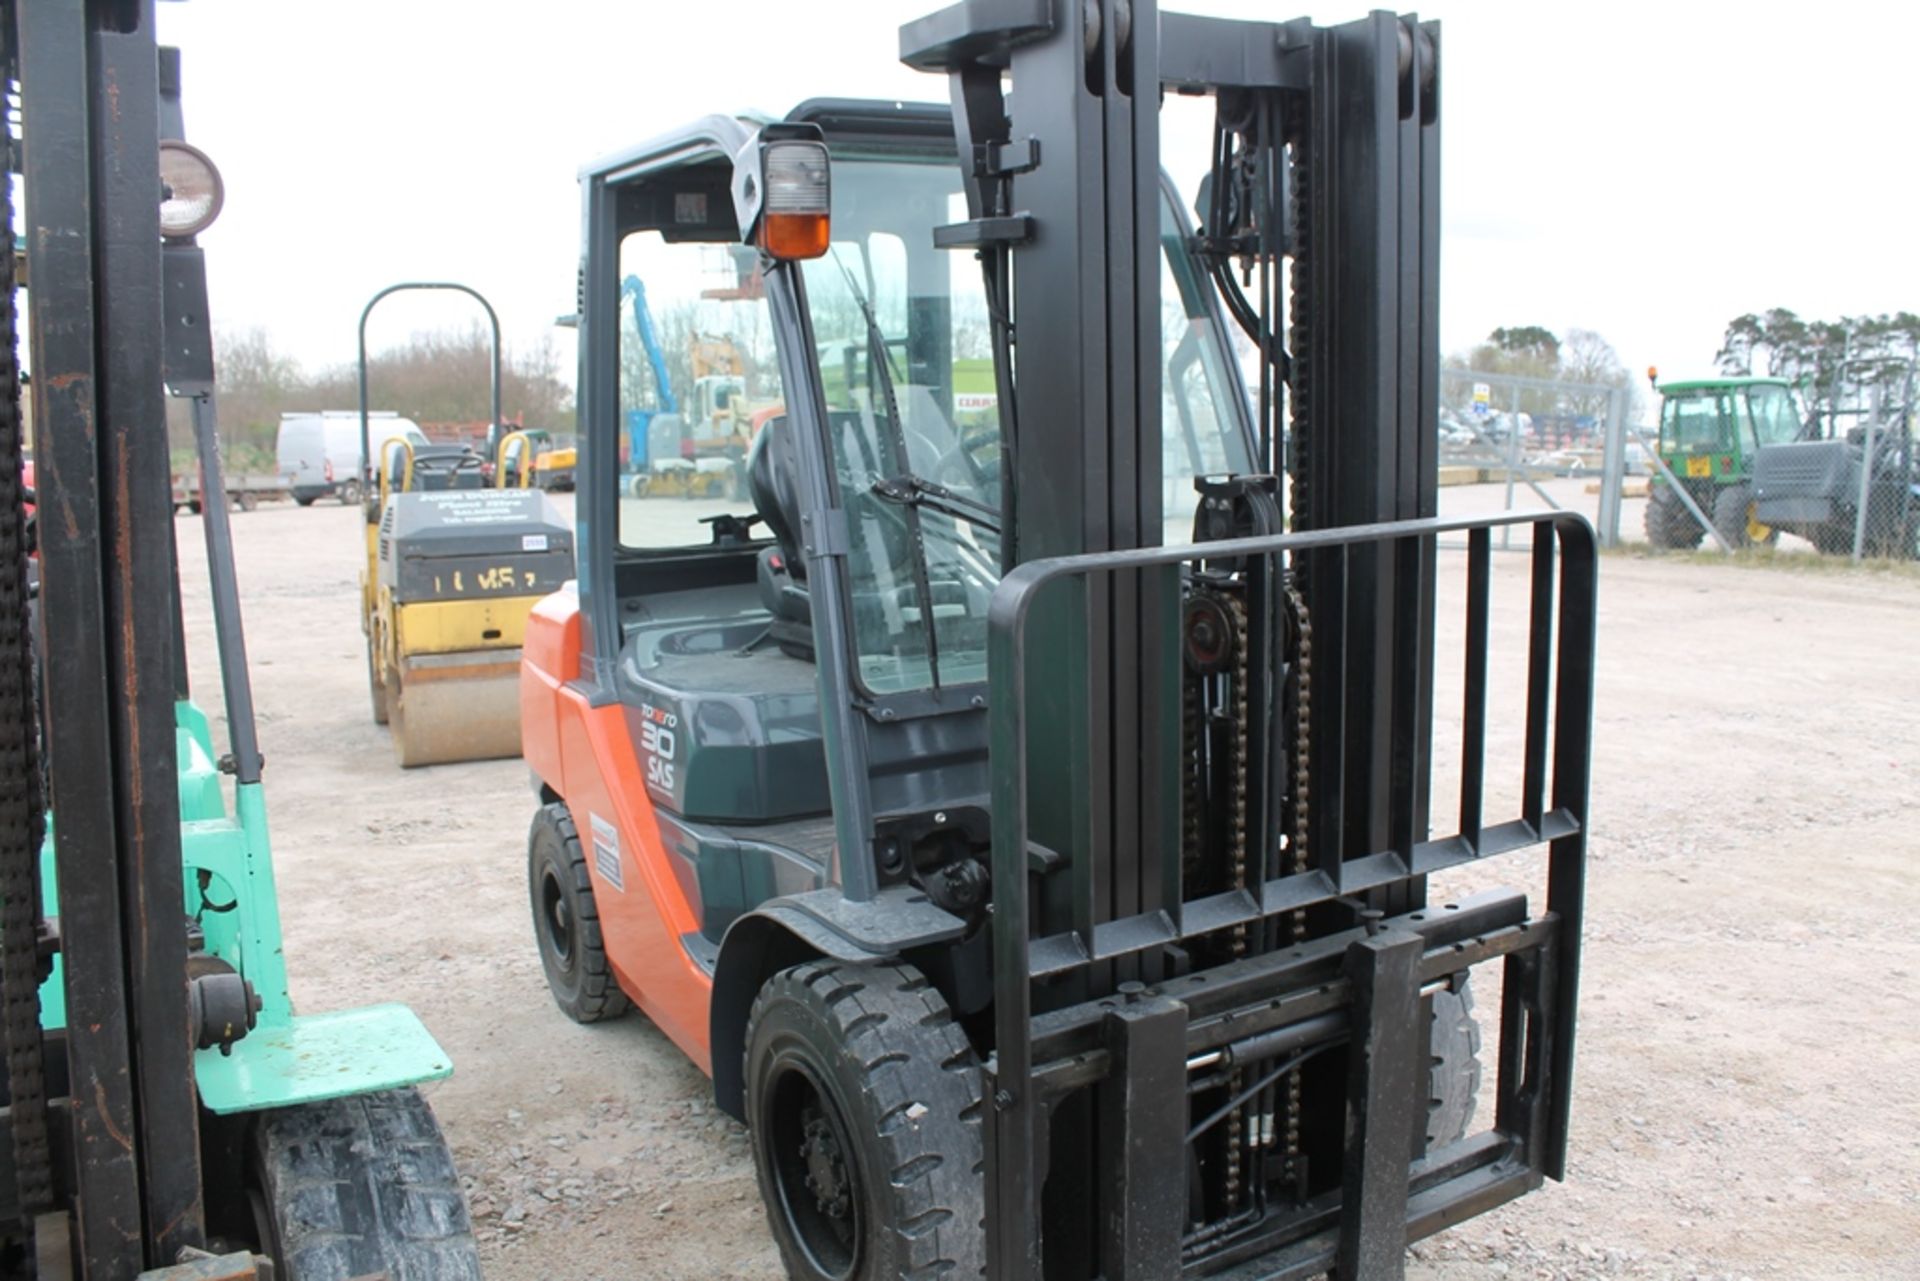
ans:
x=782 y=191
x=191 y=192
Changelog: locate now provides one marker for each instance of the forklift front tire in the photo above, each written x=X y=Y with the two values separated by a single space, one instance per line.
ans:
x=566 y=921
x=863 y=1100
x=358 y=1187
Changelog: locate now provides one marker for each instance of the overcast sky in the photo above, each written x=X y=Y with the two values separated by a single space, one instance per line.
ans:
x=1647 y=171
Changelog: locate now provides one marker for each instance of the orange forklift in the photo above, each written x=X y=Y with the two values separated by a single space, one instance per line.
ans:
x=1022 y=808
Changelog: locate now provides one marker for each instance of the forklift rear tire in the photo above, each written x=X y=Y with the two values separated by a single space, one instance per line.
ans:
x=358 y=1187
x=566 y=921
x=863 y=1100
x=1454 y=1067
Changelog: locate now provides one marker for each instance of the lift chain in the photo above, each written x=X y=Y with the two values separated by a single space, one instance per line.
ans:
x=1301 y=405
x=22 y=822
x=1300 y=777
x=1237 y=837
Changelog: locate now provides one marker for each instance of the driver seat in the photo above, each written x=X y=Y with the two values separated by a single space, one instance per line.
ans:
x=782 y=571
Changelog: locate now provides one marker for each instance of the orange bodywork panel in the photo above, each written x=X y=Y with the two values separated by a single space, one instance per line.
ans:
x=586 y=755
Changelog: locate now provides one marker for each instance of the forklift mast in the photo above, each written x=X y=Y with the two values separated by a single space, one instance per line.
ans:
x=159 y=1084
x=1190 y=875
x=91 y=99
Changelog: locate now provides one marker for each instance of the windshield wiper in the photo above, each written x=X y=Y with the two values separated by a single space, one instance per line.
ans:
x=880 y=362
x=909 y=490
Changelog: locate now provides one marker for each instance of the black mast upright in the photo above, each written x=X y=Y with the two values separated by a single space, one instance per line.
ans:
x=89 y=73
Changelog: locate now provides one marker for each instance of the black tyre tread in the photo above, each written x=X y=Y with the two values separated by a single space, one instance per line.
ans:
x=364 y=1186
x=1730 y=515
x=597 y=996
x=1669 y=524
x=900 y=1047
x=1453 y=1074
x=1832 y=539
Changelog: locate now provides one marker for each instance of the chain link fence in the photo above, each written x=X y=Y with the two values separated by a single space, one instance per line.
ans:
x=1508 y=441
x=1726 y=465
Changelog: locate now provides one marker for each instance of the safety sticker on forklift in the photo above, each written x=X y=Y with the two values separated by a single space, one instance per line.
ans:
x=606 y=852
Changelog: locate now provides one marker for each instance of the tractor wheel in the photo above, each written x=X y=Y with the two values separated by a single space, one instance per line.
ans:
x=1734 y=521
x=1832 y=538
x=566 y=921
x=863 y=1100
x=1670 y=526
x=1453 y=1075
x=376 y=688
x=360 y=1187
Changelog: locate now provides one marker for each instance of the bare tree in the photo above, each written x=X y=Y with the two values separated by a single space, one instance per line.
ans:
x=1589 y=361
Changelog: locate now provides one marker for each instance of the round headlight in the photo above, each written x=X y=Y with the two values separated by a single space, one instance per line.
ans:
x=190 y=189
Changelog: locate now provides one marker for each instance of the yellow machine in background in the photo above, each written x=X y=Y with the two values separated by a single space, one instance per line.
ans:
x=452 y=569
x=556 y=460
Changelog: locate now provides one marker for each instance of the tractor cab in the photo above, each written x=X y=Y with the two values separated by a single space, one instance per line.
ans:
x=1710 y=431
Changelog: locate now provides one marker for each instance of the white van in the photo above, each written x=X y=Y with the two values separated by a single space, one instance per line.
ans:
x=320 y=453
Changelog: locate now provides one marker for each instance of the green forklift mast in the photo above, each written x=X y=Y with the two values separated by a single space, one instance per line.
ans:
x=168 y=1113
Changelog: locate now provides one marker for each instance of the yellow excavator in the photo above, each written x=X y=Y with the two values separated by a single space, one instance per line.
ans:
x=453 y=565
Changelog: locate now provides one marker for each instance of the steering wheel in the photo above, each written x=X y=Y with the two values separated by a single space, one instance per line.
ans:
x=727 y=527
x=972 y=466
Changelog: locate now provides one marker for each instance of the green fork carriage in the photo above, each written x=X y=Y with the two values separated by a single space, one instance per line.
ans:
x=168 y=1114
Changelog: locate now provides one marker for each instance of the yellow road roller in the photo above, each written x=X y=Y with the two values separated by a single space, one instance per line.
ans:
x=453 y=566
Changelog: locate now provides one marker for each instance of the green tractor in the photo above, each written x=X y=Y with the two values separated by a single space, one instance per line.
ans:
x=1710 y=429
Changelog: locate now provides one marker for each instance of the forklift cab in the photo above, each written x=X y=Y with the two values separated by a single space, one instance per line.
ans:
x=747 y=644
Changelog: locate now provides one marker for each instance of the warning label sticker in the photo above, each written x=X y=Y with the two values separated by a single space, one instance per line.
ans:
x=606 y=852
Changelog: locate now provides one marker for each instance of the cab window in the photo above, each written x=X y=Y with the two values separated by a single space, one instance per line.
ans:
x=698 y=379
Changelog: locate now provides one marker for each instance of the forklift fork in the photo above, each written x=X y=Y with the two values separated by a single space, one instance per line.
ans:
x=1357 y=990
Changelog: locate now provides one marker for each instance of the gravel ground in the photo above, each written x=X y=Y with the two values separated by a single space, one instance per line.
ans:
x=1747 y=1104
